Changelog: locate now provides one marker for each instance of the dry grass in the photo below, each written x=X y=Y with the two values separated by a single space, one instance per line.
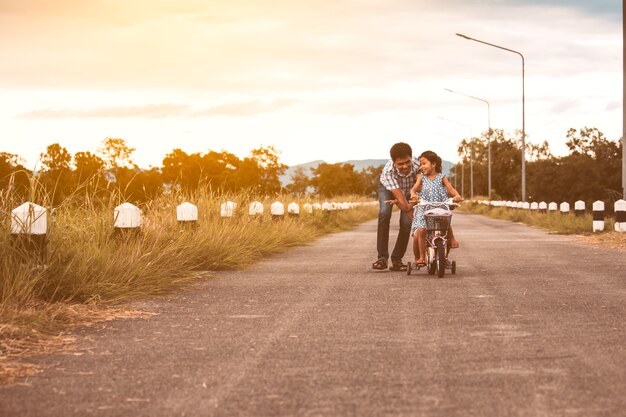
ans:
x=90 y=270
x=553 y=222
x=611 y=239
x=568 y=224
x=44 y=329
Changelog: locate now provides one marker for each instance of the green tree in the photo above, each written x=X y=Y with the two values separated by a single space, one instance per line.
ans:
x=267 y=158
x=370 y=178
x=14 y=177
x=183 y=169
x=56 y=172
x=299 y=182
x=89 y=167
x=116 y=153
x=330 y=180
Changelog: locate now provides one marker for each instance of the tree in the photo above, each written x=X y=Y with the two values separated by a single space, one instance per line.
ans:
x=299 y=182
x=14 y=177
x=56 y=173
x=330 y=180
x=183 y=169
x=116 y=153
x=271 y=169
x=88 y=167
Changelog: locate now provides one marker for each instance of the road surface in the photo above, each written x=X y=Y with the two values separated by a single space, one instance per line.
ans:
x=532 y=325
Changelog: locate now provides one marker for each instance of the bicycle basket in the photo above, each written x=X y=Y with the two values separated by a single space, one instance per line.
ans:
x=437 y=219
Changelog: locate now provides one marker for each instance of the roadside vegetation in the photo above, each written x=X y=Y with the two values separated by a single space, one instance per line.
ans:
x=568 y=224
x=90 y=271
x=591 y=171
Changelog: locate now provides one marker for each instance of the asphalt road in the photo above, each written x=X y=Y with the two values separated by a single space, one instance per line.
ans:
x=532 y=325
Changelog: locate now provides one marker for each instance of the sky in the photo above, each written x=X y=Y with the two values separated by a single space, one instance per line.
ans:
x=333 y=80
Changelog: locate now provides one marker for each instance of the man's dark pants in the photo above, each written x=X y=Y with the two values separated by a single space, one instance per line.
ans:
x=384 y=218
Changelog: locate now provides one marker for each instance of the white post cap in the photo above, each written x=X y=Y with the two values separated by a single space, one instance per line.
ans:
x=277 y=209
x=564 y=207
x=293 y=208
x=598 y=205
x=255 y=208
x=553 y=206
x=29 y=218
x=579 y=205
x=228 y=208
x=127 y=216
x=187 y=212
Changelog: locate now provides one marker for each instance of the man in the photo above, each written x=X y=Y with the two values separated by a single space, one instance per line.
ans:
x=396 y=180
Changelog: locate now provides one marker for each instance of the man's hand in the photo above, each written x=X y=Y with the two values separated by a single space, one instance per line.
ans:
x=457 y=199
x=395 y=201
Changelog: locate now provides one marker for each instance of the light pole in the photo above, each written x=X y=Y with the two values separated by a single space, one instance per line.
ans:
x=488 y=133
x=623 y=103
x=471 y=156
x=523 y=108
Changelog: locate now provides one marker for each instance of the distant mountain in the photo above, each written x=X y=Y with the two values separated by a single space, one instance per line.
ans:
x=358 y=166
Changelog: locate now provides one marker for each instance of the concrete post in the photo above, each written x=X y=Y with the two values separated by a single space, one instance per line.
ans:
x=598 y=216
x=620 y=216
x=579 y=208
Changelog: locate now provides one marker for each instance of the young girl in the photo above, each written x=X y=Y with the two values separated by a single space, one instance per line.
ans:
x=434 y=187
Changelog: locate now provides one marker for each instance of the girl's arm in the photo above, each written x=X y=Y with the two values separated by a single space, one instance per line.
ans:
x=415 y=188
x=456 y=197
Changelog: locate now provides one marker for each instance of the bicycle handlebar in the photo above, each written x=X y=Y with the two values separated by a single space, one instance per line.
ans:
x=447 y=203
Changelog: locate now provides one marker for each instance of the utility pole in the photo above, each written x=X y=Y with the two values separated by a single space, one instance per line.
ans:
x=623 y=103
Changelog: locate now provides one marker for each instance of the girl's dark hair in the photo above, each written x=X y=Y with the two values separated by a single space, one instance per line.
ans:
x=433 y=158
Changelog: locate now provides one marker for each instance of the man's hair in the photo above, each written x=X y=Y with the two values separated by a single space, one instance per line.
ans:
x=434 y=159
x=400 y=150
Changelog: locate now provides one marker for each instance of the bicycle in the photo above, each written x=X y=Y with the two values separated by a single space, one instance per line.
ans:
x=438 y=219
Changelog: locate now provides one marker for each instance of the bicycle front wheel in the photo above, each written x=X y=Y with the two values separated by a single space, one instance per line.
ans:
x=441 y=258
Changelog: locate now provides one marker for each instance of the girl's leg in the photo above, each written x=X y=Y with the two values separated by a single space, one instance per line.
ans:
x=454 y=244
x=419 y=245
x=422 y=242
x=416 y=246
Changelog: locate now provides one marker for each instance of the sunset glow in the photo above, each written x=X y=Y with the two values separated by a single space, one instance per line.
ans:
x=332 y=80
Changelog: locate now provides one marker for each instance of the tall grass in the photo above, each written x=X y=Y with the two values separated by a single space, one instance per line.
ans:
x=88 y=263
x=553 y=222
x=90 y=268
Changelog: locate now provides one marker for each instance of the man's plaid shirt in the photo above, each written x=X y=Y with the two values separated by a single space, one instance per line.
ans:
x=391 y=179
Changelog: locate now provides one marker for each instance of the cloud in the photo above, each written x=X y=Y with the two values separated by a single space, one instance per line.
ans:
x=247 y=108
x=150 y=111
x=364 y=105
x=282 y=46
x=160 y=111
x=564 y=106
x=614 y=105
x=607 y=8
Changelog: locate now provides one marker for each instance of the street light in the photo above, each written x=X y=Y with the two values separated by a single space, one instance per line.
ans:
x=523 y=108
x=488 y=138
x=471 y=157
